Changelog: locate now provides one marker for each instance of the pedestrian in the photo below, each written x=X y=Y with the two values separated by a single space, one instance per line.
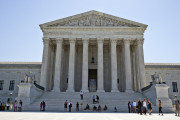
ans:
x=134 y=107
x=77 y=106
x=160 y=107
x=97 y=97
x=19 y=107
x=144 y=106
x=81 y=94
x=70 y=106
x=176 y=106
x=115 y=109
x=44 y=105
x=65 y=106
x=93 y=97
x=41 y=106
x=140 y=107
x=129 y=106
x=20 y=102
x=15 y=105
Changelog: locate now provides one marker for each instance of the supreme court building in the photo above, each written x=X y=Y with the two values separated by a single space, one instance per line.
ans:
x=93 y=52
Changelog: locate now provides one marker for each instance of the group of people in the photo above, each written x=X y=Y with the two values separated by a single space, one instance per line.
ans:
x=95 y=99
x=141 y=107
x=67 y=104
x=42 y=106
x=18 y=106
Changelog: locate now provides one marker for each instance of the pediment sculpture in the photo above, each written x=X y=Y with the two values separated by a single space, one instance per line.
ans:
x=92 y=20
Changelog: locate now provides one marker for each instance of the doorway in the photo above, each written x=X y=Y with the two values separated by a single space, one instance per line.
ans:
x=92 y=80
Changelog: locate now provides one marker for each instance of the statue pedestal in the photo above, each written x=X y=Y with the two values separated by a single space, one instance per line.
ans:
x=28 y=93
x=162 y=94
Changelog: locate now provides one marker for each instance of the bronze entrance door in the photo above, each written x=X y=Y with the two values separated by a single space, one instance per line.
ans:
x=92 y=84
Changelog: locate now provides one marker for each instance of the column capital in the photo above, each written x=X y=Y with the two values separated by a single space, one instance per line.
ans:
x=59 y=40
x=127 y=41
x=100 y=40
x=85 y=40
x=45 y=40
x=72 y=40
x=113 y=40
x=140 y=41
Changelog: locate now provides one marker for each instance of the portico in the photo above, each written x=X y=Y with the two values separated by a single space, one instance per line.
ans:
x=91 y=52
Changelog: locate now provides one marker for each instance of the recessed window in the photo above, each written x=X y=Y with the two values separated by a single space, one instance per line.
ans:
x=11 y=86
x=174 y=85
x=1 y=84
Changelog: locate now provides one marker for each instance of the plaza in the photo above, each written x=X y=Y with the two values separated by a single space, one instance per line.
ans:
x=82 y=116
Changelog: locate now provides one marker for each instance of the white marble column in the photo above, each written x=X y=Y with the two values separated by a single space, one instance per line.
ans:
x=85 y=66
x=134 y=67
x=114 y=87
x=71 y=65
x=141 y=63
x=127 y=61
x=57 y=72
x=100 y=80
x=44 y=67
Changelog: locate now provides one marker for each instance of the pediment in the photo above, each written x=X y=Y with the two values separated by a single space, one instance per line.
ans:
x=91 y=19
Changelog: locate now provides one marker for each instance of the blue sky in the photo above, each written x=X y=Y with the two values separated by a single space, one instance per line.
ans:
x=21 y=37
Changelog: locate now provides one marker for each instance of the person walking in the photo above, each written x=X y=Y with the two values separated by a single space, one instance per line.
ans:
x=176 y=106
x=77 y=106
x=65 y=106
x=140 y=107
x=44 y=105
x=149 y=108
x=81 y=94
x=21 y=103
x=160 y=107
x=70 y=106
x=144 y=106
x=129 y=106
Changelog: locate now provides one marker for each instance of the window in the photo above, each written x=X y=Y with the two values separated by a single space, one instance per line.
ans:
x=11 y=86
x=1 y=84
x=174 y=85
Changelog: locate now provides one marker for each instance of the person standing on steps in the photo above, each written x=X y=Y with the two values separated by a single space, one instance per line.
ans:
x=65 y=106
x=160 y=107
x=97 y=97
x=77 y=106
x=81 y=94
x=44 y=105
x=129 y=106
x=70 y=106
x=144 y=106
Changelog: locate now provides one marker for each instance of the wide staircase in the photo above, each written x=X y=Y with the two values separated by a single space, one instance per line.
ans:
x=55 y=101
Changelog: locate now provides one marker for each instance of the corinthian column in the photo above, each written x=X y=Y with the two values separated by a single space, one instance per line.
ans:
x=71 y=66
x=57 y=75
x=100 y=66
x=134 y=67
x=141 y=62
x=85 y=66
x=127 y=61
x=114 y=87
x=44 y=67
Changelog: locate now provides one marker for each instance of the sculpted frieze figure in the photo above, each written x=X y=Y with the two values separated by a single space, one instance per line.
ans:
x=29 y=78
x=156 y=78
x=92 y=20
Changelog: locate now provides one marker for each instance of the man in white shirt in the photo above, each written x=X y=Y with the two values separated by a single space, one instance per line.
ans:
x=81 y=94
x=144 y=106
x=134 y=107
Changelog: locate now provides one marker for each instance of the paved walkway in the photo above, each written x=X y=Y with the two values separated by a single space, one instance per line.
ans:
x=82 y=116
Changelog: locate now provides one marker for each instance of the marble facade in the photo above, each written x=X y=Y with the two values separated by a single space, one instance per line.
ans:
x=115 y=46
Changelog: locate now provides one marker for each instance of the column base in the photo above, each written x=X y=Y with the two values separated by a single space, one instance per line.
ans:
x=56 y=90
x=129 y=91
x=69 y=90
x=100 y=91
x=85 y=91
x=115 y=91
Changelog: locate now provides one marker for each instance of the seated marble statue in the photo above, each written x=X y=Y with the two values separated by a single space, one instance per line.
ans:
x=156 y=78
x=29 y=78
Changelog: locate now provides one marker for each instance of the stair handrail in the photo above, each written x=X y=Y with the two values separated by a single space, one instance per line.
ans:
x=38 y=86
